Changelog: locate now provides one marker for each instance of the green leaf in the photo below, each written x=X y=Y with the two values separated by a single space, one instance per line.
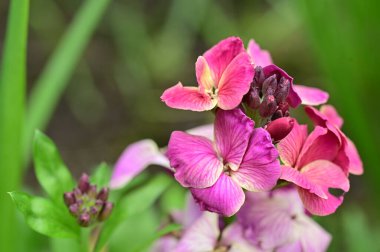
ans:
x=51 y=172
x=44 y=217
x=133 y=203
x=101 y=176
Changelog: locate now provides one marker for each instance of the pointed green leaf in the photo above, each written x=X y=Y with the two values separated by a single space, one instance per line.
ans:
x=101 y=176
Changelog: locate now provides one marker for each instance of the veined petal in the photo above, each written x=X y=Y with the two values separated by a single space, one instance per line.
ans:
x=225 y=197
x=290 y=147
x=206 y=130
x=259 y=57
x=194 y=159
x=311 y=95
x=233 y=130
x=221 y=55
x=235 y=82
x=201 y=236
x=318 y=206
x=332 y=115
x=260 y=168
x=322 y=120
x=135 y=158
x=233 y=238
x=204 y=75
x=188 y=98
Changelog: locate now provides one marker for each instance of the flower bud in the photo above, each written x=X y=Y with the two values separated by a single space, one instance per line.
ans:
x=103 y=194
x=69 y=198
x=259 y=77
x=268 y=106
x=253 y=98
x=269 y=85
x=74 y=209
x=106 y=211
x=282 y=91
x=84 y=183
x=84 y=220
x=280 y=128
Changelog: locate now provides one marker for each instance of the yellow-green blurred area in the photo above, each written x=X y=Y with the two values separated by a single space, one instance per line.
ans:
x=142 y=47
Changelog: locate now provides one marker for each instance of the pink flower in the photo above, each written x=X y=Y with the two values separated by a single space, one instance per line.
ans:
x=309 y=163
x=216 y=171
x=309 y=95
x=224 y=74
x=348 y=156
x=276 y=221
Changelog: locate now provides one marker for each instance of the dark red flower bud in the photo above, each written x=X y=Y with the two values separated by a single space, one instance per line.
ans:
x=84 y=220
x=253 y=98
x=259 y=77
x=280 y=128
x=103 y=194
x=269 y=85
x=84 y=183
x=282 y=91
x=106 y=211
x=268 y=106
x=74 y=209
x=69 y=198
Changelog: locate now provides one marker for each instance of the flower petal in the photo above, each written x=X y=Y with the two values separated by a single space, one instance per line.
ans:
x=259 y=57
x=311 y=95
x=260 y=168
x=233 y=238
x=235 y=82
x=188 y=98
x=194 y=159
x=225 y=197
x=206 y=130
x=290 y=147
x=204 y=75
x=232 y=133
x=332 y=115
x=164 y=244
x=221 y=55
x=355 y=162
x=135 y=158
x=201 y=236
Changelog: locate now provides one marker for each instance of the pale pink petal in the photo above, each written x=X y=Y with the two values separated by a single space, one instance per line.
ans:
x=332 y=115
x=204 y=75
x=189 y=98
x=260 y=168
x=194 y=159
x=225 y=197
x=134 y=159
x=235 y=82
x=232 y=134
x=201 y=236
x=355 y=162
x=206 y=130
x=259 y=57
x=221 y=55
x=311 y=95
x=290 y=147
x=233 y=238
x=166 y=243
x=293 y=99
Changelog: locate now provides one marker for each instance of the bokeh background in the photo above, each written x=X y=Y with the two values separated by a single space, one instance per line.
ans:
x=141 y=47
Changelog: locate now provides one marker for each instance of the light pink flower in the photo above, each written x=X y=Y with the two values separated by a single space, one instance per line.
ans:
x=309 y=95
x=276 y=221
x=216 y=171
x=348 y=156
x=224 y=74
x=309 y=163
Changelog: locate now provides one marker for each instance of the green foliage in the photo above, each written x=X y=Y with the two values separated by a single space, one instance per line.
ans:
x=45 y=217
x=101 y=175
x=51 y=172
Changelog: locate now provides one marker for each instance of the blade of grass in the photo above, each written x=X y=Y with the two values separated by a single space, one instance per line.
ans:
x=56 y=74
x=12 y=105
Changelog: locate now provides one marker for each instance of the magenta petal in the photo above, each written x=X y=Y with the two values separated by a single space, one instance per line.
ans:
x=194 y=159
x=206 y=130
x=290 y=147
x=260 y=168
x=135 y=158
x=355 y=162
x=310 y=95
x=201 y=236
x=204 y=75
x=232 y=133
x=221 y=55
x=235 y=82
x=189 y=98
x=225 y=197
x=332 y=115
x=259 y=57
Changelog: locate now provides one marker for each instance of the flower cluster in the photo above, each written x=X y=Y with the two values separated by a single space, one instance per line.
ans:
x=254 y=147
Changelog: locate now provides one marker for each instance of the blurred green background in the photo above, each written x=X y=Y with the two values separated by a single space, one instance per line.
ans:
x=110 y=97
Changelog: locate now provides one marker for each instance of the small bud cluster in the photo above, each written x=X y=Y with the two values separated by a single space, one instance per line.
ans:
x=268 y=94
x=87 y=204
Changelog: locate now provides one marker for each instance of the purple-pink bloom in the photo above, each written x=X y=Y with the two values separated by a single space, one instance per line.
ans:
x=277 y=221
x=224 y=74
x=216 y=171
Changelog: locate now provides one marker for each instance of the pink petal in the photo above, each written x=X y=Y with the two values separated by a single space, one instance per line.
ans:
x=259 y=57
x=135 y=158
x=290 y=147
x=204 y=75
x=189 y=98
x=194 y=159
x=221 y=55
x=332 y=115
x=206 y=130
x=201 y=236
x=225 y=197
x=234 y=239
x=235 y=82
x=164 y=244
x=260 y=168
x=189 y=215
x=310 y=95
x=232 y=133
x=322 y=120
x=355 y=162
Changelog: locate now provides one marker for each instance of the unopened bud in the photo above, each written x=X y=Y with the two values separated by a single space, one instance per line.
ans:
x=84 y=220
x=84 y=183
x=253 y=98
x=259 y=77
x=106 y=211
x=74 y=209
x=277 y=114
x=92 y=191
x=282 y=90
x=280 y=128
x=269 y=85
x=69 y=198
x=103 y=194
x=268 y=106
